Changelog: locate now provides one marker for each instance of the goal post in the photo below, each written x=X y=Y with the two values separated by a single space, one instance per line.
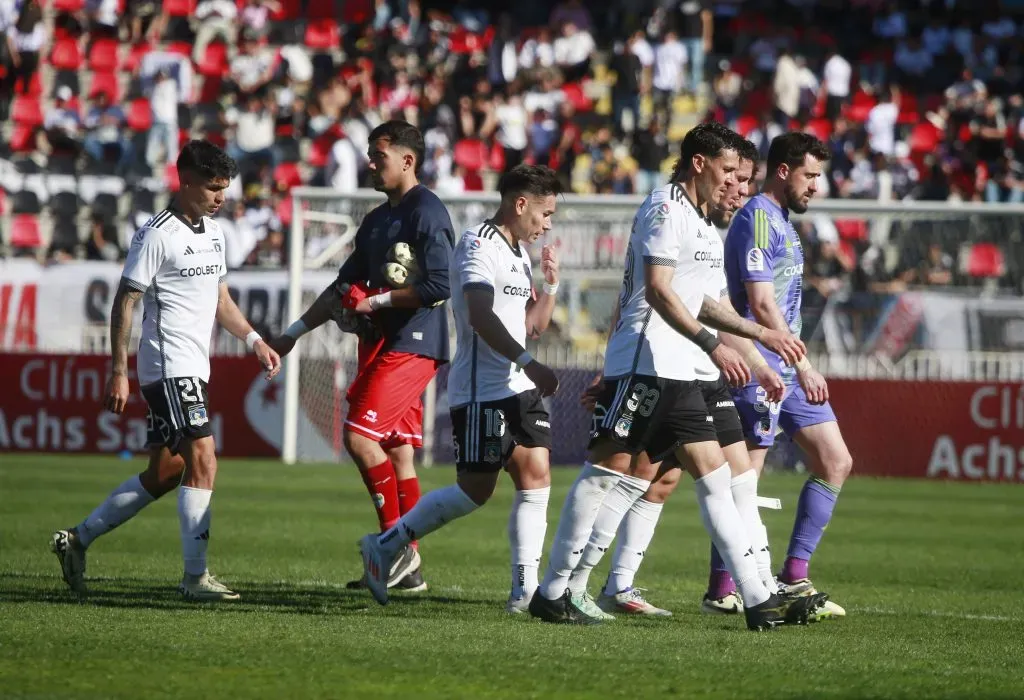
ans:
x=591 y=234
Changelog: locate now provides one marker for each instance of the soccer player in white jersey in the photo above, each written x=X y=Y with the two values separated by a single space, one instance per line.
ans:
x=176 y=266
x=495 y=387
x=631 y=516
x=652 y=400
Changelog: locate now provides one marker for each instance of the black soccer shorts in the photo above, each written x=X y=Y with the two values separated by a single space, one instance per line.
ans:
x=718 y=399
x=485 y=433
x=647 y=413
x=179 y=408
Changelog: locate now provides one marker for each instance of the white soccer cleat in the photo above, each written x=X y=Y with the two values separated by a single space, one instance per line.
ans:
x=630 y=602
x=71 y=555
x=518 y=606
x=204 y=588
x=405 y=563
x=376 y=568
x=804 y=587
x=585 y=602
x=730 y=604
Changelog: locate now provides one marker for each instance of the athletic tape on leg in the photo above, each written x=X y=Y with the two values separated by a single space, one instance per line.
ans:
x=769 y=503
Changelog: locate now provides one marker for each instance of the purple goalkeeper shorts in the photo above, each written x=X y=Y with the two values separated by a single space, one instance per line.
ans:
x=760 y=418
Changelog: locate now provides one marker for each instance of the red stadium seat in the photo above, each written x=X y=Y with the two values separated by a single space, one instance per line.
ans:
x=103 y=56
x=23 y=139
x=66 y=55
x=287 y=176
x=820 y=128
x=496 y=161
x=35 y=85
x=320 y=149
x=105 y=83
x=924 y=138
x=852 y=229
x=985 y=260
x=574 y=94
x=69 y=6
x=471 y=154
x=323 y=34
x=179 y=8
x=473 y=182
x=25 y=231
x=745 y=123
x=215 y=60
x=284 y=211
x=357 y=12
x=211 y=89
x=182 y=48
x=289 y=10
x=140 y=115
x=135 y=56
x=171 y=177
x=27 y=111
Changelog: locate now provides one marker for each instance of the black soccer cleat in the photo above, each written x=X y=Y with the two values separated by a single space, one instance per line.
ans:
x=778 y=610
x=560 y=611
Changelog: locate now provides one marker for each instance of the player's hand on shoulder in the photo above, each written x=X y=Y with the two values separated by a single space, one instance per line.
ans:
x=282 y=344
x=814 y=386
x=589 y=397
x=785 y=345
x=116 y=396
x=268 y=357
x=732 y=365
x=771 y=382
x=543 y=376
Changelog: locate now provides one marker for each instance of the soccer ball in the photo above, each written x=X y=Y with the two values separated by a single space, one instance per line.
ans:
x=397 y=275
x=403 y=254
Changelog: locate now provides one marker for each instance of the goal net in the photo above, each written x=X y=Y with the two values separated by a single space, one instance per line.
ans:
x=852 y=332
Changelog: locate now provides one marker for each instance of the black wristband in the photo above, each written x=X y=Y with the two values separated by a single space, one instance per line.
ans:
x=706 y=341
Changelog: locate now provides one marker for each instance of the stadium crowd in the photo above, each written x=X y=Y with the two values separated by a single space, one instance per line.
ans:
x=915 y=99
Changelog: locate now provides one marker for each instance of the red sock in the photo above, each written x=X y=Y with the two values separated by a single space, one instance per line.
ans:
x=408 y=496
x=382 y=486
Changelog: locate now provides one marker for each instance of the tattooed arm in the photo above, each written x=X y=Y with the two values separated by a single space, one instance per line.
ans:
x=722 y=317
x=120 y=335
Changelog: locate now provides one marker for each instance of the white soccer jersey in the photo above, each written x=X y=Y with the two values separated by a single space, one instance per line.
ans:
x=179 y=268
x=483 y=258
x=668 y=230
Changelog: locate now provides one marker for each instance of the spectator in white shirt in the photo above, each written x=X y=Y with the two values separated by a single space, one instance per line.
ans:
x=253 y=67
x=512 y=122
x=836 y=77
x=253 y=143
x=786 y=85
x=881 y=124
x=538 y=52
x=62 y=123
x=25 y=39
x=342 y=169
x=216 y=19
x=573 y=50
x=163 y=133
x=669 y=66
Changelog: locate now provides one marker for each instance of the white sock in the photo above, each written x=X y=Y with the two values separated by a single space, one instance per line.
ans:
x=194 y=518
x=527 y=525
x=635 y=535
x=744 y=494
x=574 y=525
x=433 y=511
x=723 y=523
x=121 y=505
x=616 y=504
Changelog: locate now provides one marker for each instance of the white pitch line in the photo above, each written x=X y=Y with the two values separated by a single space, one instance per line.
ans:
x=937 y=613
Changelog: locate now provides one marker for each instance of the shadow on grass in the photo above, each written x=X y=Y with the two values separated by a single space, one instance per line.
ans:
x=257 y=596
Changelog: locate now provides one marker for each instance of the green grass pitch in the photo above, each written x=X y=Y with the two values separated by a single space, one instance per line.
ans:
x=929 y=573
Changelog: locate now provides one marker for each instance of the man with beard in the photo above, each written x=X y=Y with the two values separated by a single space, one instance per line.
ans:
x=764 y=267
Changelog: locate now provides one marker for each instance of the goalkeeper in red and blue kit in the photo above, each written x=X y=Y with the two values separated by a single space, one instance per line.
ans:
x=397 y=278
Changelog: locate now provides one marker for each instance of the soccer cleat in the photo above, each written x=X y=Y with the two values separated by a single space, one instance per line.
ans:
x=630 y=602
x=585 y=602
x=778 y=610
x=412 y=582
x=376 y=565
x=561 y=611
x=730 y=604
x=71 y=555
x=204 y=588
x=804 y=587
x=518 y=606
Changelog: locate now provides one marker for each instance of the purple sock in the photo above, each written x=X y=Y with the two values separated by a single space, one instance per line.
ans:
x=720 y=583
x=813 y=511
